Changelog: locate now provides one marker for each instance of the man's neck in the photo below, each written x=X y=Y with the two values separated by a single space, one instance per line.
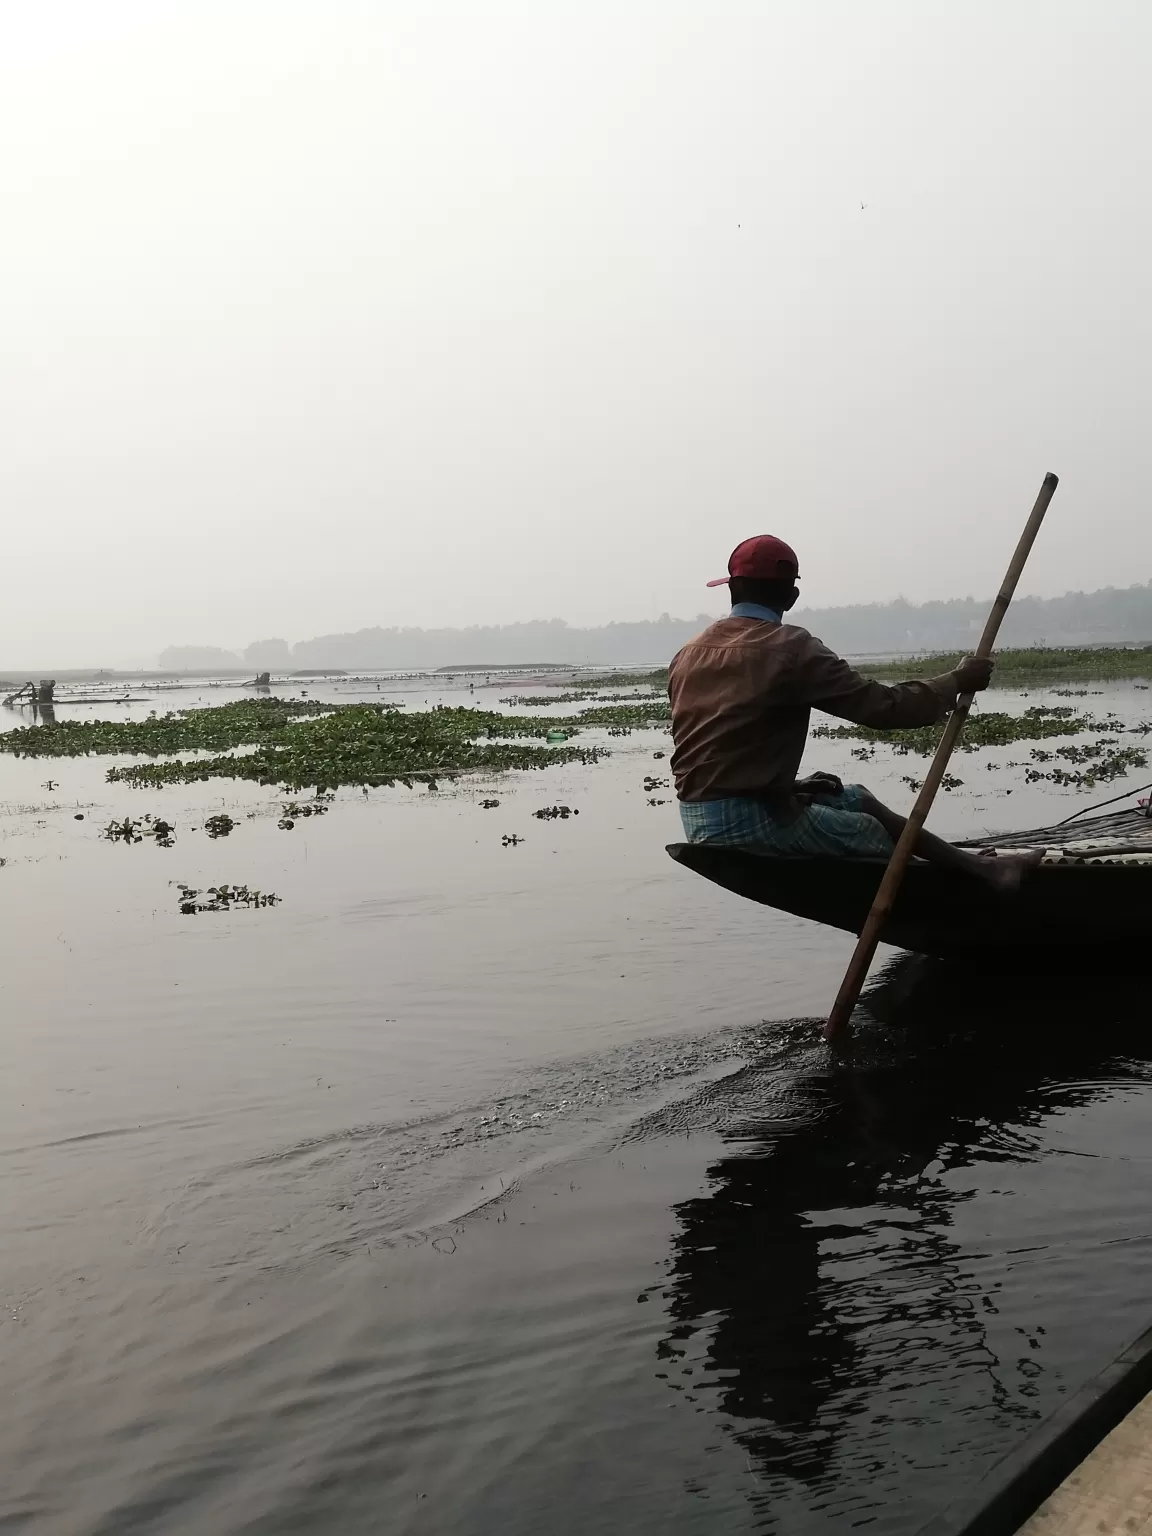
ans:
x=754 y=611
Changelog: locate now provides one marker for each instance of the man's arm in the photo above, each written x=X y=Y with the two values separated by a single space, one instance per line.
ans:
x=826 y=681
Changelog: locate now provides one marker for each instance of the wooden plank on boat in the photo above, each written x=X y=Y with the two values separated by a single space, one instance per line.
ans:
x=1110 y=1492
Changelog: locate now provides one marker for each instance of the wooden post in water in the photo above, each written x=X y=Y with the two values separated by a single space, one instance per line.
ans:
x=854 y=976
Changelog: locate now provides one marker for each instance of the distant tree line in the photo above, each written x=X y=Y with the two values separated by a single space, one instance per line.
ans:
x=1114 y=614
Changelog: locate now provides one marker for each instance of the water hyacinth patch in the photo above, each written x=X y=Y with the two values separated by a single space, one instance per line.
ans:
x=242 y=723
x=990 y=729
x=1033 y=664
x=220 y=898
x=323 y=746
x=1023 y=665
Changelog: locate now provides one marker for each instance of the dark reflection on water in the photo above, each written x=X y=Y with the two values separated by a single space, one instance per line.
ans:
x=853 y=1325
x=891 y=1265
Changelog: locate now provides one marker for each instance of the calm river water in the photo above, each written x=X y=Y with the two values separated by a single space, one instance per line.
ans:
x=478 y=1188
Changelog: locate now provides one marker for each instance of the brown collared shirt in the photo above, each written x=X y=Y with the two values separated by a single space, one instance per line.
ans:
x=741 y=697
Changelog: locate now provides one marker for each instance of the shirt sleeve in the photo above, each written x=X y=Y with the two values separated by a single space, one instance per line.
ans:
x=826 y=681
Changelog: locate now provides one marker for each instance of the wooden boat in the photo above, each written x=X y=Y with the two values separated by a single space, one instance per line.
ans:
x=1093 y=891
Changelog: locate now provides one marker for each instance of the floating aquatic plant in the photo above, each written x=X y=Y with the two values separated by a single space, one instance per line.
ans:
x=126 y=831
x=325 y=746
x=1028 y=665
x=318 y=806
x=242 y=723
x=1034 y=665
x=658 y=678
x=1106 y=761
x=129 y=831
x=221 y=898
x=948 y=782
x=986 y=729
x=576 y=696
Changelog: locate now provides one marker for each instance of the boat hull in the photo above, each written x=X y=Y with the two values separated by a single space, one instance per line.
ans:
x=1068 y=908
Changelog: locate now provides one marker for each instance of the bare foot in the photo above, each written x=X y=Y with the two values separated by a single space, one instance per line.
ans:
x=1005 y=871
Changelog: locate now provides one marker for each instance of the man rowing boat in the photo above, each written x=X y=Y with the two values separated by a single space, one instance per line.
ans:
x=741 y=697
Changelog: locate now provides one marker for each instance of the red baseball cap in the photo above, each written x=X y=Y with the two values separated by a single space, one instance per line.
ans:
x=762 y=558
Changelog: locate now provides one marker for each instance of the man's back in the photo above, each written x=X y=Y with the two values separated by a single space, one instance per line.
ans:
x=741 y=696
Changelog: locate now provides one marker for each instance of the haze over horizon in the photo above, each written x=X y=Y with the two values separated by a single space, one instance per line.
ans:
x=440 y=315
x=1110 y=616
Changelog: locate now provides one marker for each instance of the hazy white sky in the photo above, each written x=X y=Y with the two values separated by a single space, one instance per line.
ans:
x=320 y=315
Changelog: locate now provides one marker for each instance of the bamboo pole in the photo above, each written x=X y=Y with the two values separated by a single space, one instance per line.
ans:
x=854 y=976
